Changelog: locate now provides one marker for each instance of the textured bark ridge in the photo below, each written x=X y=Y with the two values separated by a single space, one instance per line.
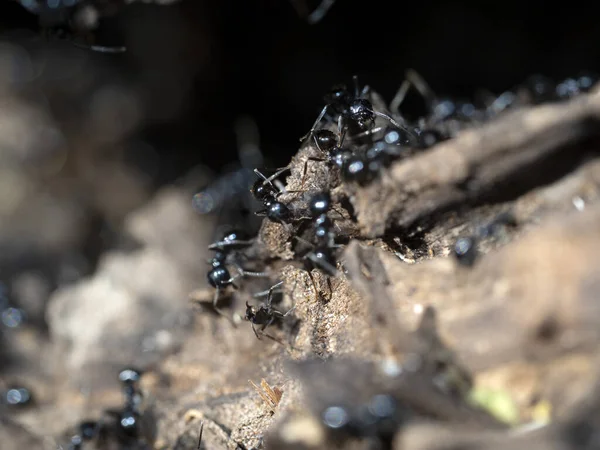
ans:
x=476 y=355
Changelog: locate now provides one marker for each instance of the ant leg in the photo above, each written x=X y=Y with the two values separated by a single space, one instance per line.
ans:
x=247 y=273
x=219 y=245
x=368 y=132
x=270 y=294
x=281 y=315
x=318 y=14
x=393 y=122
x=263 y=293
x=400 y=96
x=314 y=127
x=255 y=332
x=266 y=180
x=330 y=288
x=305 y=170
x=277 y=173
x=324 y=265
x=265 y=325
x=273 y=338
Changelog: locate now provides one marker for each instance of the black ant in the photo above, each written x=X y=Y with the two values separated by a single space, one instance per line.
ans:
x=364 y=167
x=219 y=276
x=444 y=114
x=465 y=248
x=126 y=424
x=128 y=417
x=264 y=315
x=322 y=254
x=68 y=20
x=354 y=111
x=336 y=394
x=265 y=191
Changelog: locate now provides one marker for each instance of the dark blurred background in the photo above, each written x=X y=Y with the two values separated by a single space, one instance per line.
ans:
x=201 y=64
x=101 y=154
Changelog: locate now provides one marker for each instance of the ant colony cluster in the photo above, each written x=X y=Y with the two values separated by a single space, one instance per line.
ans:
x=354 y=139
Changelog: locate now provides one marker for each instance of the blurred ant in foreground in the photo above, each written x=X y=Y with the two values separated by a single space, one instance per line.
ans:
x=70 y=20
x=264 y=315
x=125 y=425
x=465 y=248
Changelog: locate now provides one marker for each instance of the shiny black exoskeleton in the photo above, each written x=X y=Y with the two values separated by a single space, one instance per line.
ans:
x=322 y=256
x=264 y=315
x=352 y=111
x=265 y=192
x=219 y=277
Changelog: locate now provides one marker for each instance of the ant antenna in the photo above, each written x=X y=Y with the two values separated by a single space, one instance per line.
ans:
x=420 y=85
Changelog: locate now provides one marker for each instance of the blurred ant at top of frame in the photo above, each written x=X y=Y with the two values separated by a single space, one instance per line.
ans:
x=312 y=15
x=75 y=21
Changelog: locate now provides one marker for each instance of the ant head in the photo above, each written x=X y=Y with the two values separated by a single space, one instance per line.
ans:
x=250 y=312
x=262 y=191
x=360 y=114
